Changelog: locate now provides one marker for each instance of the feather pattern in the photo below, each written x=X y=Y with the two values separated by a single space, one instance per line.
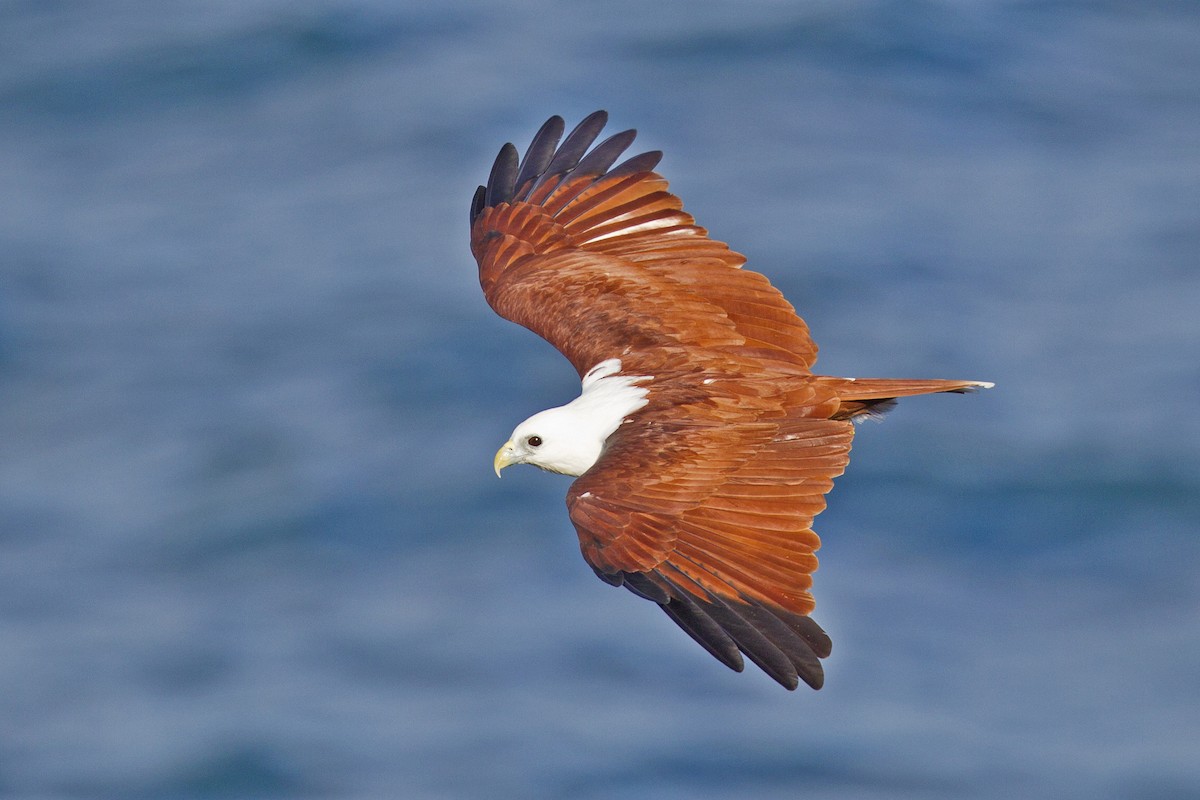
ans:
x=703 y=500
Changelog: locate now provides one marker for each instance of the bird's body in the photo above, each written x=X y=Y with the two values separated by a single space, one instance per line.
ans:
x=703 y=443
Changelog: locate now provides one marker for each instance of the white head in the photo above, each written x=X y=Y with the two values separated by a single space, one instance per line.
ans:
x=555 y=440
x=569 y=439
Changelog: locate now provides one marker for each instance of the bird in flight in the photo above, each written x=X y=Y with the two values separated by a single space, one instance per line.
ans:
x=703 y=443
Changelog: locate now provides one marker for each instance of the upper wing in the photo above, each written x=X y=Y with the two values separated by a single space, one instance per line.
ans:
x=605 y=263
x=714 y=523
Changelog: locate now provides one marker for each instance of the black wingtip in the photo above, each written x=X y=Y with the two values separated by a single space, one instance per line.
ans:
x=576 y=144
x=643 y=162
x=503 y=178
x=689 y=616
x=643 y=586
x=478 y=203
x=540 y=152
x=605 y=154
x=760 y=646
x=786 y=646
x=545 y=160
x=611 y=578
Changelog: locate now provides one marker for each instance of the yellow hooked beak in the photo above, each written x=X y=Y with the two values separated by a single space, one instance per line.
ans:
x=504 y=457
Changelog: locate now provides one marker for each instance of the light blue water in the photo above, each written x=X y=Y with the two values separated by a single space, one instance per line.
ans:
x=250 y=542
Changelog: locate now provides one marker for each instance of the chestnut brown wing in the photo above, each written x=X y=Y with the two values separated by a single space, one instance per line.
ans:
x=602 y=261
x=714 y=523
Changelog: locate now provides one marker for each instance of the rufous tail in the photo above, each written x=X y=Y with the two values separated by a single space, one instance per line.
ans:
x=874 y=396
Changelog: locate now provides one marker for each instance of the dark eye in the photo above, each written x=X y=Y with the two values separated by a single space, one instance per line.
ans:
x=534 y=441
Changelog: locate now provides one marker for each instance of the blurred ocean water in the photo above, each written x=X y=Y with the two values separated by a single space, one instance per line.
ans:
x=250 y=541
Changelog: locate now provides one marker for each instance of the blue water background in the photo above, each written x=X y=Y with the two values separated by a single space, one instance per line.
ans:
x=250 y=540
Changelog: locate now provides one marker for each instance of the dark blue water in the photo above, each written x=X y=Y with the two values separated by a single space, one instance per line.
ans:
x=250 y=540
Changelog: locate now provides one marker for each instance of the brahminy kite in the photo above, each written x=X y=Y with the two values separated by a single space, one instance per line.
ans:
x=702 y=441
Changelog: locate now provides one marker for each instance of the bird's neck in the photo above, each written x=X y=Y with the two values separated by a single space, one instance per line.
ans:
x=605 y=400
